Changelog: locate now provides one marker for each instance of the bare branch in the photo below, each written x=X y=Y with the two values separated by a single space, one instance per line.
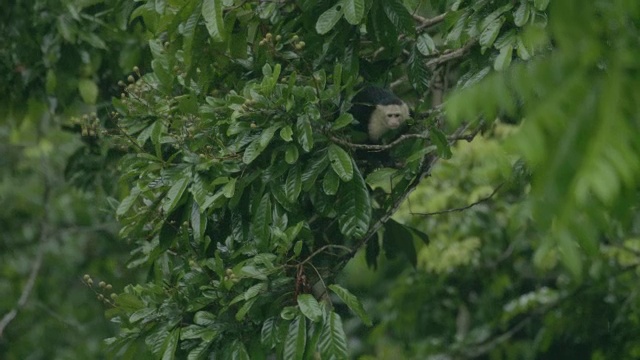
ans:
x=461 y=208
x=37 y=263
x=425 y=23
x=378 y=148
x=451 y=55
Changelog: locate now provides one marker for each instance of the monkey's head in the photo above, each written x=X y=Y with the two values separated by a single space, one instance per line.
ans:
x=394 y=114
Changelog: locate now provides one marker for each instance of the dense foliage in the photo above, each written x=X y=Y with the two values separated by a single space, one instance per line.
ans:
x=499 y=225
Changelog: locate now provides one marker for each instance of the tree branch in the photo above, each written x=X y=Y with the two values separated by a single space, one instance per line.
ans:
x=451 y=55
x=378 y=148
x=37 y=264
x=425 y=23
x=461 y=208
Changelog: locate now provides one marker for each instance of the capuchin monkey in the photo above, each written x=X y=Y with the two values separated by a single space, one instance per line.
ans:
x=378 y=111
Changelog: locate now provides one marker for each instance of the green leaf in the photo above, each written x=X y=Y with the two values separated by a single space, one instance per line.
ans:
x=541 y=5
x=521 y=15
x=418 y=72
x=352 y=302
x=252 y=151
x=204 y=318
x=198 y=222
x=294 y=344
x=127 y=202
x=170 y=345
x=382 y=178
x=570 y=255
x=238 y=352
x=313 y=170
x=426 y=45
x=267 y=135
x=310 y=307
x=521 y=49
x=490 y=33
x=212 y=14
x=163 y=75
x=291 y=154
x=88 y=91
x=261 y=222
x=229 y=189
x=329 y=19
x=293 y=184
x=345 y=119
x=399 y=16
x=440 y=140
x=453 y=37
x=503 y=60
x=269 y=333
x=286 y=133
x=200 y=351
x=341 y=162
x=304 y=133
x=174 y=194
x=353 y=11
x=330 y=183
x=398 y=238
x=354 y=207
x=244 y=309
x=333 y=341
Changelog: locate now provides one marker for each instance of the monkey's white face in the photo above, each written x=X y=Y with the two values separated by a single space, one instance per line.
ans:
x=395 y=115
x=386 y=117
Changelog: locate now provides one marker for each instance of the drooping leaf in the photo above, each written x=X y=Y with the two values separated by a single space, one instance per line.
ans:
x=418 y=72
x=398 y=239
x=269 y=333
x=127 y=202
x=304 y=133
x=353 y=11
x=170 y=345
x=310 y=307
x=354 y=207
x=175 y=194
x=294 y=344
x=293 y=184
x=333 y=341
x=341 y=162
x=88 y=91
x=426 y=45
x=440 y=140
x=291 y=154
x=399 y=16
x=329 y=19
x=212 y=14
x=330 y=183
x=313 y=170
x=237 y=351
x=503 y=60
x=521 y=15
x=345 y=119
x=490 y=33
x=352 y=302
x=252 y=151
x=262 y=221
x=541 y=5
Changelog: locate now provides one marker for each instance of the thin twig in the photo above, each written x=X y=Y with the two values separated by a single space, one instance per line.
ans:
x=378 y=148
x=321 y=249
x=451 y=55
x=37 y=264
x=447 y=211
x=425 y=23
x=469 y=136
